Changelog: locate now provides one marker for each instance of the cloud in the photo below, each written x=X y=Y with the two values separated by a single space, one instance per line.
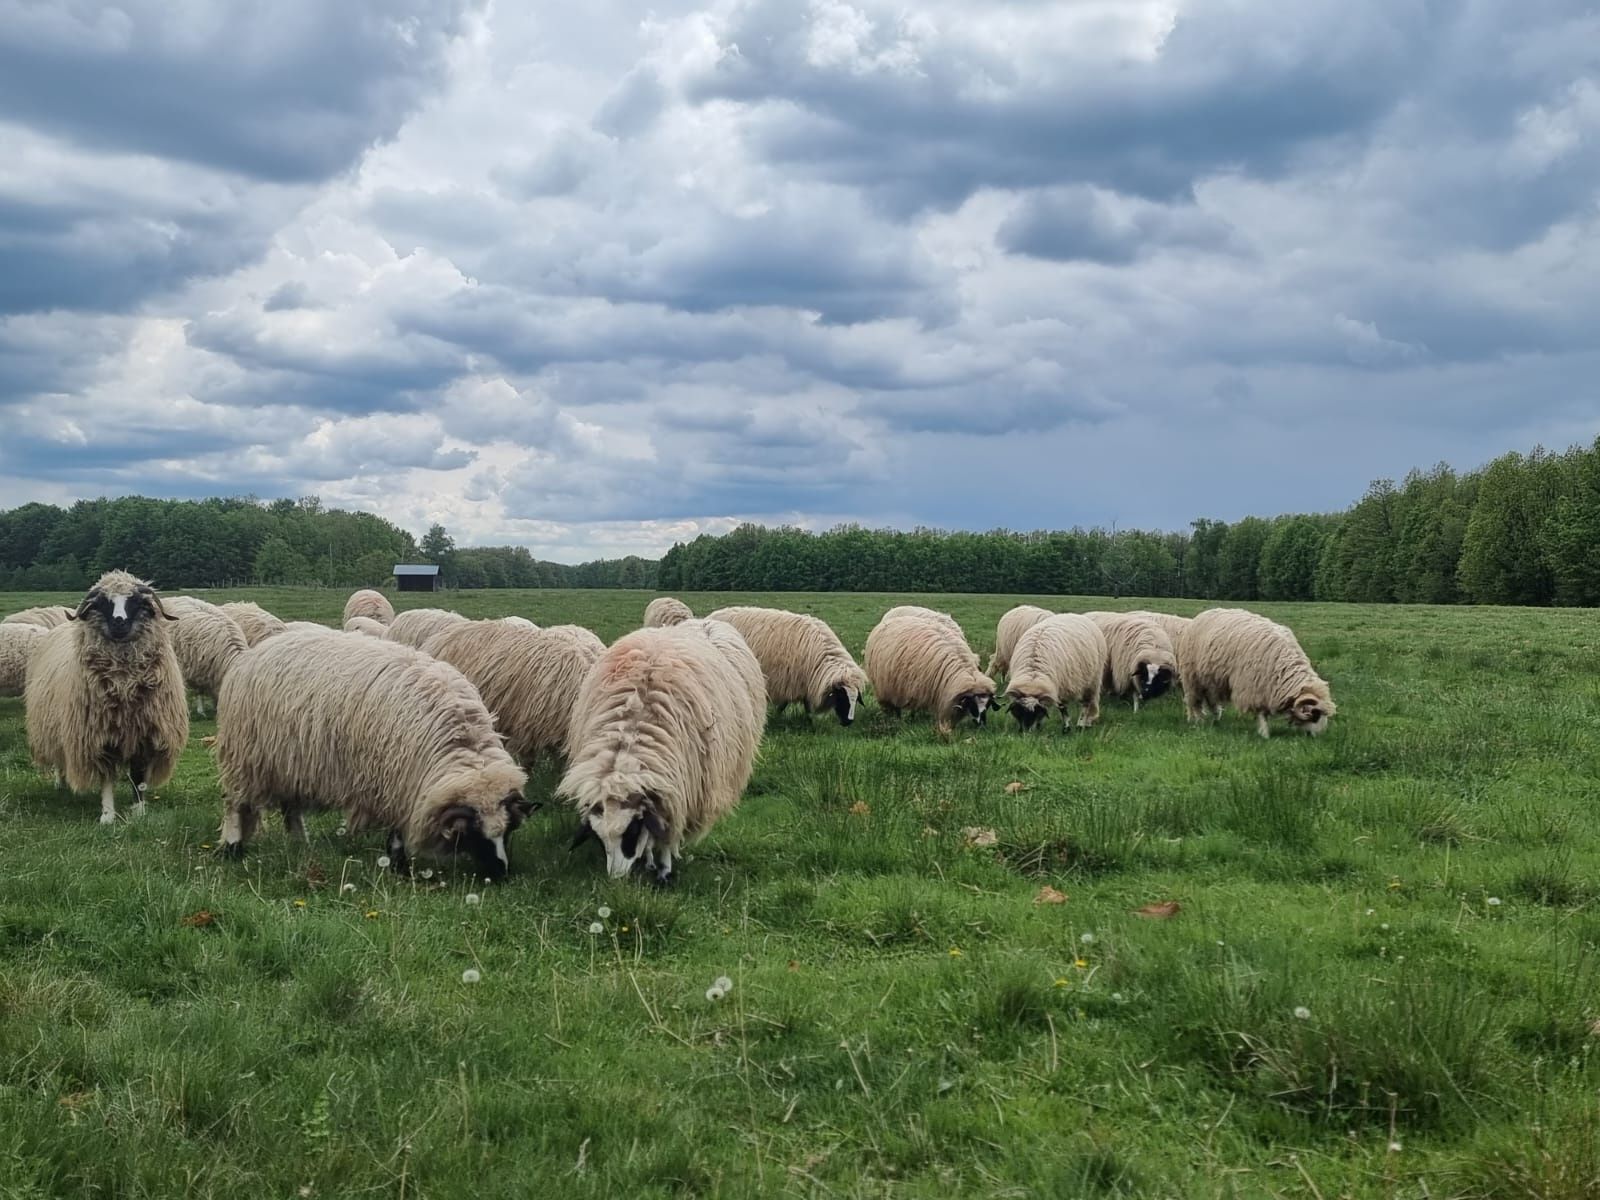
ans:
x=594 y=282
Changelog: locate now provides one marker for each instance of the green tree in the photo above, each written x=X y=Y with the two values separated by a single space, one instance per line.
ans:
x=279 y=562
x=1502 y=557
x=1239 y=559
x=1289 y=559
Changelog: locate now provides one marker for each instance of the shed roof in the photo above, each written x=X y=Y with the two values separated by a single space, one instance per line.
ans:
x=415 y=569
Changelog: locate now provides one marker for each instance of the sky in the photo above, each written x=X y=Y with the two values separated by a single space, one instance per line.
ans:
x=597 y=278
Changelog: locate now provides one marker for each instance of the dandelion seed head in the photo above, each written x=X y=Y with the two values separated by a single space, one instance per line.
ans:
x=348 y=888
x=1371 y=911
x=1117 y=997
x=473 y=898
x=1394 y=1147
x=1087 y=939
x=1494 y=902
x=470 y=976
x=428 y=873
x=714 y=993
x=723 y=982
x=1385 y=925
x=602 y=912
x=1302 y=1013
x=383 y=862
x=596 y=927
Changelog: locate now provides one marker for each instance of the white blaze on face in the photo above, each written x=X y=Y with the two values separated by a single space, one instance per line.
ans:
x=850 y=710
x=499 y=841
x=617 y=864
x=119 y=607
x=983 y=703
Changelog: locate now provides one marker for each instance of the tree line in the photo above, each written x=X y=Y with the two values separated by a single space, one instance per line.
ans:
x=1525 y=529
x=241 y=541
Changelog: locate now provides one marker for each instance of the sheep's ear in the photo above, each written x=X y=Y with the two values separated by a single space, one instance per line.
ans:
x=517 y=809
x=149 y=593
x=89 y=598
x=585 y=833
x=457 y=820
x=651 y=815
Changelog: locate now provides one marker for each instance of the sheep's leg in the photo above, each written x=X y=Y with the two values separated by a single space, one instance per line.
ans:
x=61 y=781
x=662 y=864
x=199 y=705
x=294 y=824
x=1261 y=725
x=1194 y=706
x=136 y=772
x=239 y=822
x=399 y=859
x=108 y=802
x=1136 y=698
x=1089 y=711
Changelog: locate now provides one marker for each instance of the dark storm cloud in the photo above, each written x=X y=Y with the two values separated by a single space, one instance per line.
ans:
x=285 y=90
x=1080 y=223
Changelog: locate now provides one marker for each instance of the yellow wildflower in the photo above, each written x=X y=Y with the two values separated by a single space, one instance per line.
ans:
x=299 y=903
x=1081 y=963
x=955 y=951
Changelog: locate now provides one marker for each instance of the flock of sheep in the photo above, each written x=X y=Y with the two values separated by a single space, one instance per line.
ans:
x=422 y=723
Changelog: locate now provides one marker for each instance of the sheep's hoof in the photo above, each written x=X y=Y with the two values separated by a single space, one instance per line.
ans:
x=108 y=818
x=661 y=878
x=232 y=850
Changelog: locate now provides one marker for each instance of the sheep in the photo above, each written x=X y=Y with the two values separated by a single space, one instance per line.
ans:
x=916 y=610
x=1171 y=622
x=46 y=616
x=415 y=626
x=1016 y=622
x=529 y=678
x=105 y=691
x=664 y=611
x=663 y=739
x=307 y=627
x=366 y=626
x=1140 y=660
x=522 y=621
x=19 y=642
x=923 y=662
x=802 y=659
x=1059 y=659
x=206 y=641
x=381 y=731
x=369 y=603
x=1230 y=654
x=256 y=622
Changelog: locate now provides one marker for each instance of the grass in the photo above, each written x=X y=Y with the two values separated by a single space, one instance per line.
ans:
x=905 y=1020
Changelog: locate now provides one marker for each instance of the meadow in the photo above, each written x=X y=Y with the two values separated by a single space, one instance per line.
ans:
x=956 y=965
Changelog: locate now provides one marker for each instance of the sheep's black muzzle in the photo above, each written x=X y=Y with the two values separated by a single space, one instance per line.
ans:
x=1028 y=715
x=1159 y=686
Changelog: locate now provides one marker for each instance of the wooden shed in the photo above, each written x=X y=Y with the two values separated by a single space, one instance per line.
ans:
x=422 y=577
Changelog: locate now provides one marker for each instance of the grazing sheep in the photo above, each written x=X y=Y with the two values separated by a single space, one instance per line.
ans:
x=663 y=739
x=802 y=658
x=919 y=659
x=307 y=627
x=105 y=691
x=45 y=617
x=1171 y=622
x=529 y=678
x=1016 y=622
x=522 y=621
x=415 y=626
x=206 y=641
x=1060 y=659
x=1230 y=654
x=916 y=610
x=367 y=627
x=381 y=731
x=256 y=622
x=1140 y=660
x=664 y=611
x=19 y=642
x=369 y=603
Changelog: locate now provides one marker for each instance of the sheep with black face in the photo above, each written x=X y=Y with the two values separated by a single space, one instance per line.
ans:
x=663 y=739
x=1059 y=660
x=919 y=659
x=803 y=660
x=105 y=693
x=308 y=721
x=1140 y=660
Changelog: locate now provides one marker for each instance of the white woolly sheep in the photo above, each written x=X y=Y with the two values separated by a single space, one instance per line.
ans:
x=46 y=616
x=664 y=611
x=256 y=622
x=105 y=692
x=415 y=626
x=803 y=660
x=663 y=739
x=206 y=641
x=1171 y=622
x=1140 y=660
x=369 y=603
x=1230 y=654
x=19 y=642
x=1016 y=622
x=367 y=627
x=919 y=659
x=1057 y=660
x=529 y=678
x=307 y=627
x=388 y=735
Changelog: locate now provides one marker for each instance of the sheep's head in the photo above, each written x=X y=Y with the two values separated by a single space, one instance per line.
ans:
x=1153 y=678
x=1310 y=712
x=975 y=704
x=1028 y=706
x=629 y=827
x=119 y=607
x=844 y=697
x=476 y=816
